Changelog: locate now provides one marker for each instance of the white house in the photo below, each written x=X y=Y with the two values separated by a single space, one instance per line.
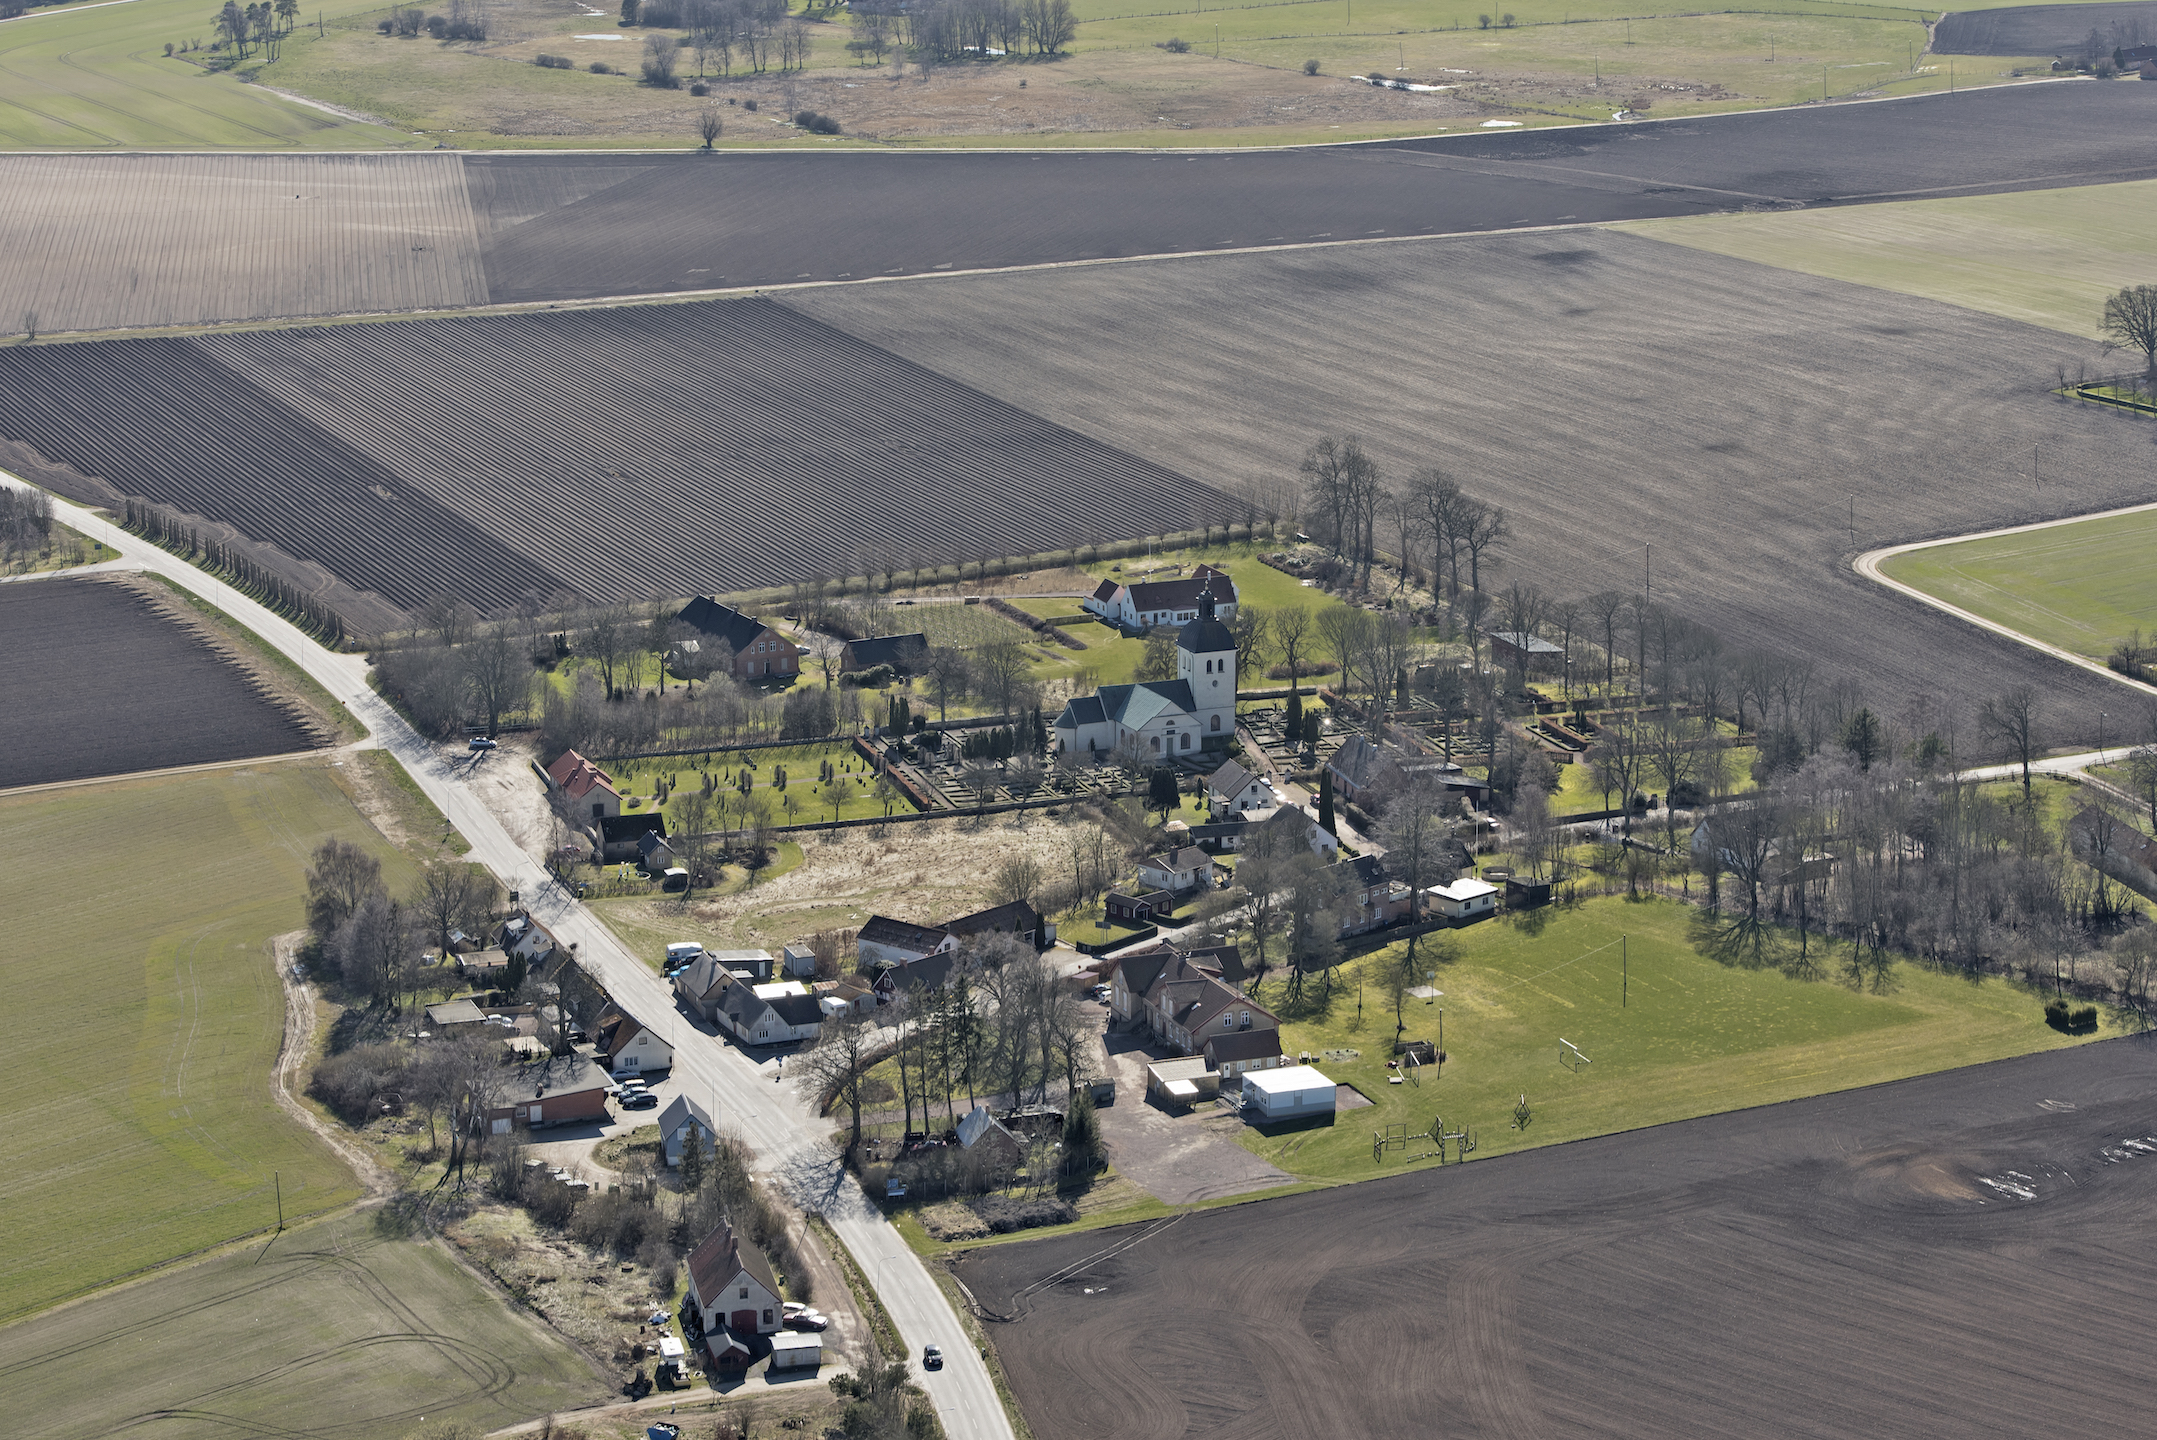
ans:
x=1160 y=602
x=630 y=1047
x=1464 y=899
x=731 y=1286
x=1293 y=1092
x=1324 y=844
x=681 y=1116
x=1196 y=710
x=1185 y=868
x=775 y=1014
x=1233 y=790
x=1288 y=1094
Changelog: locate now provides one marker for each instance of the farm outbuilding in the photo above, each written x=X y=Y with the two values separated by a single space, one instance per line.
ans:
x=1296 y=1092
x=795 y=1350
x=1464 y=899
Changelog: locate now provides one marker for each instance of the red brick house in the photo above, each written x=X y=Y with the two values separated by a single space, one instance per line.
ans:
x=560 y=1090
x=755 y=650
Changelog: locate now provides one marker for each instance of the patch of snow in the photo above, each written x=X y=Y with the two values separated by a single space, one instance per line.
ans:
x=598 y=37
x=1502 y=124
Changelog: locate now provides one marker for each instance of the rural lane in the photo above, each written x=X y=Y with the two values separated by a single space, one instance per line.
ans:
x=791 y=1143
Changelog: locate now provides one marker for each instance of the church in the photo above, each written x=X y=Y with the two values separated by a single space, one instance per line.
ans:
x=1159 y=718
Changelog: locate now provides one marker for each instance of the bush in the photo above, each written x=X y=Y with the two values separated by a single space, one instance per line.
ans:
x=349 y=1083
x=816 y=123
x=2078 y=1021
x=1310 y=67
x=746 y=104
x=1306 y=667
x=554 y=62
x=1176 y=45
x=876 y=677
x=1002 y=1214
x=659 y=52
x=598 y=67
x=700 y=89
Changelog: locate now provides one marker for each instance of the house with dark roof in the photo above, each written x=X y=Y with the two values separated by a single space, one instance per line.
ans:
x=1523 y=652
x=1224 y=837
x=731 y=1287
x=1138 y=905
x=700 y=985
x=619 y=834
x=895 y=981
x=751 y=649
x=1194 y=711
x=1234 y=1052
x=1369 y=772
x=1370 y=898
x=587 y=791
x=1136 y=975
x=905 y=654
x=882 y=938
x=1186 y=1005
x=779 y=1013
x=1179 y=870
x=1148 y=603
x=1015 y=918
x=682 y=1116
x=654 y=854
x=627 y=1046
x=559 y=1090
x=1233 y=790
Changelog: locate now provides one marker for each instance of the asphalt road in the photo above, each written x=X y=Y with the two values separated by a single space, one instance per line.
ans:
x=788 y=1139
x=584 y=226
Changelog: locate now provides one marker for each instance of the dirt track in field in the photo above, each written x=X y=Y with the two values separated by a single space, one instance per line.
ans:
x=1611 y=392
x=107 y=677
x=1844 y=1266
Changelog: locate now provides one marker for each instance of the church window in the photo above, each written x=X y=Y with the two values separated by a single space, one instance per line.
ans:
x=1156 y=744
x=1217 y=722
x=1187 y=740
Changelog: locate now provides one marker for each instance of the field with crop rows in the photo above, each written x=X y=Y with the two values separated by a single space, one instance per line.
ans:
x=1830 y=1267
x=139 y=916
x=328 y=1320
x=675 y=449
x=104 y=681
x=1750 y=409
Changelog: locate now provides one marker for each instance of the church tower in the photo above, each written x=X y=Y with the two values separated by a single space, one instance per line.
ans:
x=1206 y=661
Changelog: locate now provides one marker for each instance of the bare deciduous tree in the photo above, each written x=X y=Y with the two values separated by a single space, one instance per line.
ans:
x=2012 y=722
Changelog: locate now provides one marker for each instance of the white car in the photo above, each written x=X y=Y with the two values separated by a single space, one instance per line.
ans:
x=793 y=1307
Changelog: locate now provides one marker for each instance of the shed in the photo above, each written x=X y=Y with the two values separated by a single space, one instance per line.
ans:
x=796 y=1349
x=1182 y=1081
x=1464 y=899
x=1294 y=1092
x=454 y=1015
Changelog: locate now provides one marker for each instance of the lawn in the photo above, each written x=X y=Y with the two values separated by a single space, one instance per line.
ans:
x=98 y=78
x=2046 y=257
x=65 y=549
x=2081 y=586
x=647 y=924
x=328 y=1320
x=1692 y=1036
x=810 y=797
x=138 y=920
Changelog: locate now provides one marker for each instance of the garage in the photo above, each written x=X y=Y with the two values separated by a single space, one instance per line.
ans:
x=1296 y=1092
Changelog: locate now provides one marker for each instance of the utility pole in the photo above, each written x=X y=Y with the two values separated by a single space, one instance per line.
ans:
x=1625 y=971
x=279 y=1176
x=1647 y=568
x=1853 y=517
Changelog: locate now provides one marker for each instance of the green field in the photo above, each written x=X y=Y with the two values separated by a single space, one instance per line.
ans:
x=2081 y=586
x=99 y=79
x=1694 y=1037
x=329 y=1329
x=2045 y=257
x=138 y=919
x=855 y=786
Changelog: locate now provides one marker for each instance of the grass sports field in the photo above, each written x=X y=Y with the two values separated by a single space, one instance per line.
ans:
x=2046 y=257
x=150 y=1018
x=2081 y=587
x=361 y=1334
x=1692 y=1036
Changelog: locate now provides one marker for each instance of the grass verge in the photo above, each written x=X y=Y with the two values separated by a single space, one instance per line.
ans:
x=881 y=1327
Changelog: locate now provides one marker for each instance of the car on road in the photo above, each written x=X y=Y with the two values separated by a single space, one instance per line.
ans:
x=481 y=742
x=932 y=1357
x=640 y=1100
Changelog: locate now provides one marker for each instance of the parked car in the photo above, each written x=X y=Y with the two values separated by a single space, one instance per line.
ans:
x=640 y=1100
x=481 y=742
x=792 y=1307
x=806 y=1320
x=932 y=1357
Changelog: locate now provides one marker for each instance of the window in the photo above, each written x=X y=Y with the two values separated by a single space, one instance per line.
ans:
x=744 y=1292
x=1246 y=1017
x=1156 y=744
x=767 y=1317
x=1187 y=740
x=1216 y=722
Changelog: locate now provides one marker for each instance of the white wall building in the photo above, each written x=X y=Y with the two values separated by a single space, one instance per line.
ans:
x=1293 y=1092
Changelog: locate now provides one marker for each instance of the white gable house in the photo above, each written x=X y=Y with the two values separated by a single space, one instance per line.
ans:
x=1194 y=711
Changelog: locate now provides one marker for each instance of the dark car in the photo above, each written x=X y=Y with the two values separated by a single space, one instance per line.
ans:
x=932 y=1358
x=640 y=1100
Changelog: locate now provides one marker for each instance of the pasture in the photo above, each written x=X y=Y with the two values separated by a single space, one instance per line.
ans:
x=2082 y=587
x=332 y=1325
x=1748 y=506
x=2044 y=257
x=139 y=919
x=107 y=678
x=1670 y=1033
x=1943 y=1255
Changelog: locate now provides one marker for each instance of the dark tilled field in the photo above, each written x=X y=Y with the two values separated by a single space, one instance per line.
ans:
x=619 y=453
x=1611 y=391
x=686 y=222
x=2045 y=30
x=1963 y=1254
x=101 y=682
